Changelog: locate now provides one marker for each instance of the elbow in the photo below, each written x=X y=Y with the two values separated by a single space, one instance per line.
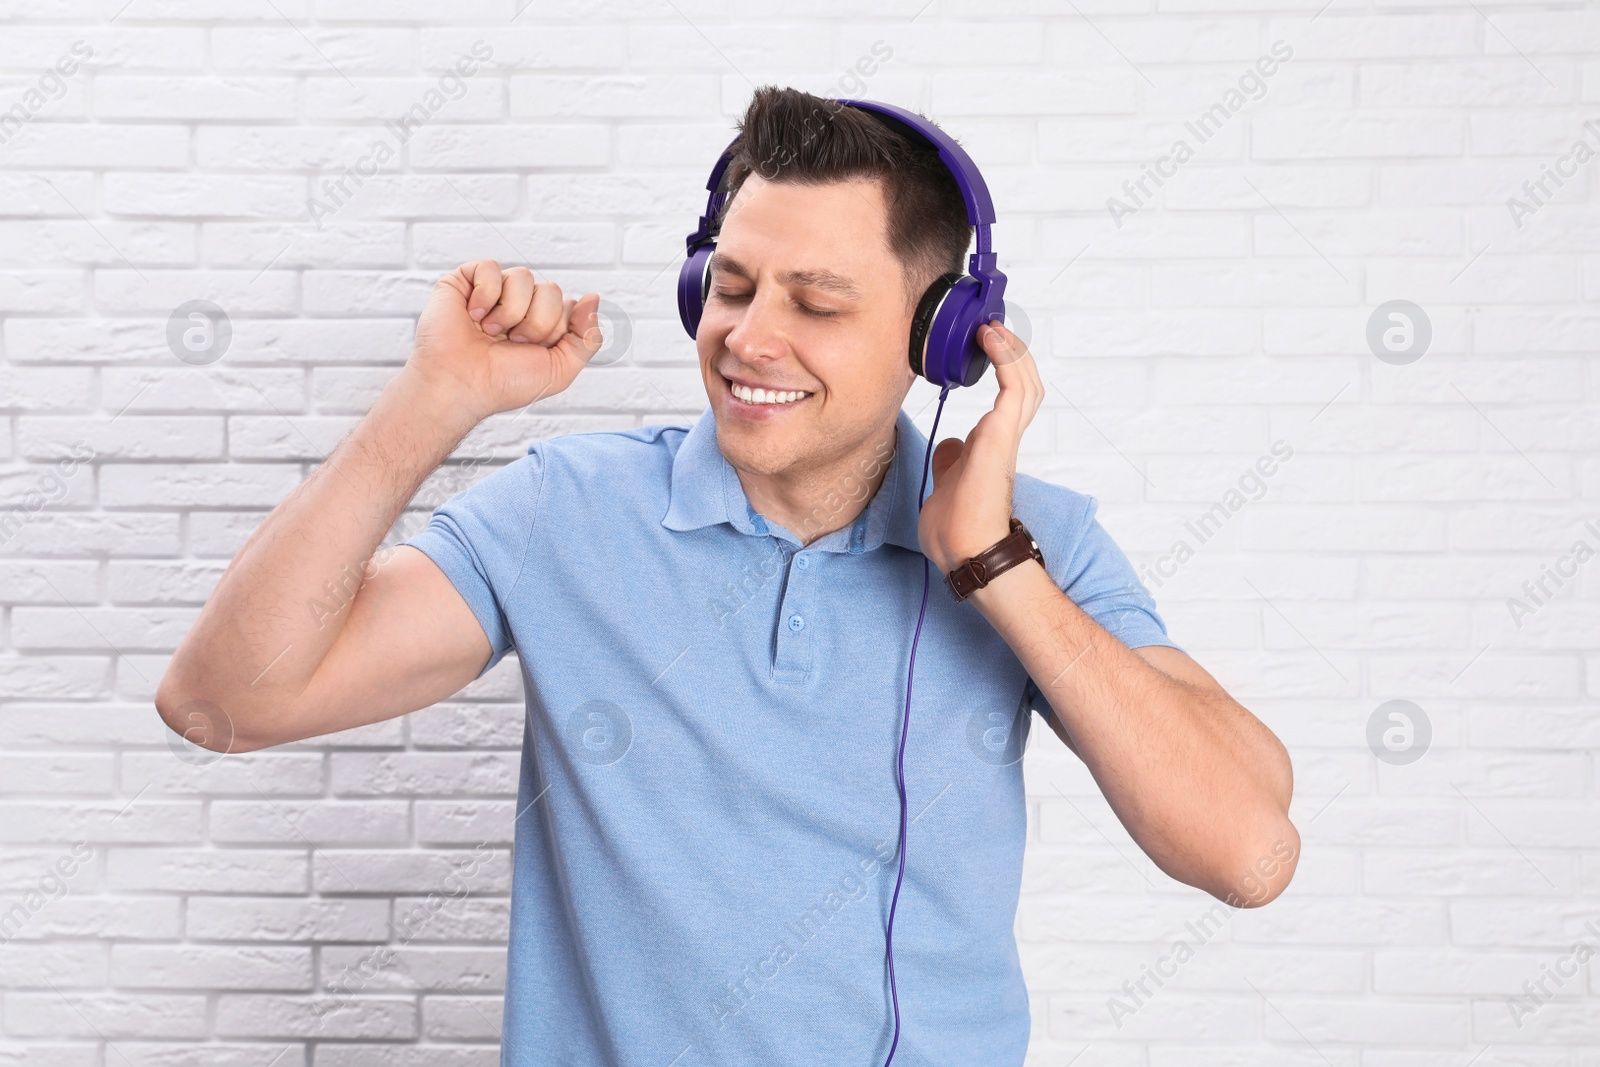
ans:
x=1267 y=851
x=1265 y=866
x=197 y=720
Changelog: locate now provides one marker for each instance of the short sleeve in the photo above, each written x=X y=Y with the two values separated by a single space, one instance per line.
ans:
x=1100 y=579
x=1096 y=574
x=480 y=539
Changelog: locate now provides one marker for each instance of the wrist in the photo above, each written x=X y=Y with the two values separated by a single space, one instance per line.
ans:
x=410 y=430
x=432 y=403
x=948 y=557
x=1020 y=585
x=1009 y=552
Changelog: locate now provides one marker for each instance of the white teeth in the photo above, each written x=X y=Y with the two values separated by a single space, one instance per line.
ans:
x=766 y=396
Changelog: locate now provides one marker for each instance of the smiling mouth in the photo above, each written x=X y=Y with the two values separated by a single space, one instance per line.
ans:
x=773 y=397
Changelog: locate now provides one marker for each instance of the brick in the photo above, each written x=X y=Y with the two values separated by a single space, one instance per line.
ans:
x=202 y=195
x=541 y=246
x=316 y=822
x=207 y=870
x=213 y=485
x=1282 y=135
x=173 y=48
x=440 y=871
x=43 y=144
x=60 y=243
x=259 y=776
x=546 y=96
x=278 y=919
x=162 y=292
x=40 y=291
x=210 y=967
x=214 y=11
x=323 y=1017
x=347 y=50
x=366 y=774
x=108 y=1016
x=525 y=46
x=48 y=628
x=122 y=916
x=161 y=582
x=384 y=100
x=349 y=244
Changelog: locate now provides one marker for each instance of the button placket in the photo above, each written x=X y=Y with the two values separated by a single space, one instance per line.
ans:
x=792 y=640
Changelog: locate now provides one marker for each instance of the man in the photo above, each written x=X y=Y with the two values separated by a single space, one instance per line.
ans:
x=713 y=626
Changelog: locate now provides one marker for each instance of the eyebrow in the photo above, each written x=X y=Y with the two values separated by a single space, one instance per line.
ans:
x=826 y=280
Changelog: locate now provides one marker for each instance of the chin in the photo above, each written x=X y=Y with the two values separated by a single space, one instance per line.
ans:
x=757 y=450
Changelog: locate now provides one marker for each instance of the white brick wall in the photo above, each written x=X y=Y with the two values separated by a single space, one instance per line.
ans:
x=265 y=909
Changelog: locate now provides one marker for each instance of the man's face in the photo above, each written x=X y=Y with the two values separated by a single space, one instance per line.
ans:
x=806 y=298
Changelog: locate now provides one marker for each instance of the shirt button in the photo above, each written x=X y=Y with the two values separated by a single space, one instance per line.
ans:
x=796 y=623
x=802 y=562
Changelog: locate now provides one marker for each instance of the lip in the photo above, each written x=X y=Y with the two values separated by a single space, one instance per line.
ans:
x=745 y=409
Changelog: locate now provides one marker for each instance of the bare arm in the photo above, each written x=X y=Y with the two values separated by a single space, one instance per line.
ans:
x=1201 y=784
x=308 y=631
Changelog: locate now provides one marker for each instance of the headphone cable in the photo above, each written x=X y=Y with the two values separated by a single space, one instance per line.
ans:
x=905 y=726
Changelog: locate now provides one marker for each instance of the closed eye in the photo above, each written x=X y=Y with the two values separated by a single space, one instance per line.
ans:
x=806 y=309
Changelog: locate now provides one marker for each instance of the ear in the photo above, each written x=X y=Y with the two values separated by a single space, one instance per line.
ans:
x=945 y=455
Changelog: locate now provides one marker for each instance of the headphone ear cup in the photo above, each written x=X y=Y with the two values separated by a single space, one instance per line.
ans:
x=953 y=355
x=694 y=283
x=922 y=321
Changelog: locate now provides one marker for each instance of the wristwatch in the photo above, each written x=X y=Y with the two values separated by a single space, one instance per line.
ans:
x=1016 y=547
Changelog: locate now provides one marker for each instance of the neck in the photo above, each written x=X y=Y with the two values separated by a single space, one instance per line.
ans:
x=819 y=500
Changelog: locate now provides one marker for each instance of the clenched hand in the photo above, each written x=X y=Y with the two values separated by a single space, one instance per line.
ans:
x=496 y=340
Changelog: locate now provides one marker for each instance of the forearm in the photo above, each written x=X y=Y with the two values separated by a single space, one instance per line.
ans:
x=1197 y=780
x=284 y=599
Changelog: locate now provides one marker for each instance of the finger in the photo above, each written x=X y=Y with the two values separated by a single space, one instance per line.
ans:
x=1018 y=375
x=516 y=293
x=560 y=331
x=583 y=337
x=1001 y=345
x=546 y=320
x=945 y=455
x=484 y=277
x=1032 y=383
x=453 y=291
x=997 y=438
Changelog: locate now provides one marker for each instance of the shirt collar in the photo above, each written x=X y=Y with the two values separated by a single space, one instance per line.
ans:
x=705 y=490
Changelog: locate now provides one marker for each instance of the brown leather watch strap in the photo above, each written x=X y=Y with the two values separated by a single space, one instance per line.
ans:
x=1016 y=547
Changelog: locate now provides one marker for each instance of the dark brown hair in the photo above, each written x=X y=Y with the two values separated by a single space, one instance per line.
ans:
x=791 y=136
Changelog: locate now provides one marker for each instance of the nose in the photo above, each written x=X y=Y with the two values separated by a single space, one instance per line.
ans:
x=757 y=337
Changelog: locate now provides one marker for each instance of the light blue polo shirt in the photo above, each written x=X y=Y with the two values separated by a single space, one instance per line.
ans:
x=707 y=819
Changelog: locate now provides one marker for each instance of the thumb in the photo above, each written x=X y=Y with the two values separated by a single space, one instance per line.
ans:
x=945 y=456
x=449 y=297
x=583 y=338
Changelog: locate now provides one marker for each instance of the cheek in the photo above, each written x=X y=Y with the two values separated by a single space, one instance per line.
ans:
x=867 y=374
x=712 y=337
x=892 y=346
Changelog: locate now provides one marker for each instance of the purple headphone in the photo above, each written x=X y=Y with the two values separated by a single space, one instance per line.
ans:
x=944 y=346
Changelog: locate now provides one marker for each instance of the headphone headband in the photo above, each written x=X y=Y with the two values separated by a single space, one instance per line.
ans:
x=705 y=231
x=974 y=191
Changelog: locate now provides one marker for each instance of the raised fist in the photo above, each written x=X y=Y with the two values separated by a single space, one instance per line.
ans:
x=499 y=340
